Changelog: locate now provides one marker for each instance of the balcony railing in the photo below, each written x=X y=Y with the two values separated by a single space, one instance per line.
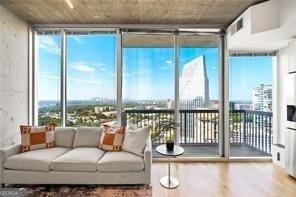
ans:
x=250 y=128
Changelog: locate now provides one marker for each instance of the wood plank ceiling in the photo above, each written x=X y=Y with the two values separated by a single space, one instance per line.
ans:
x=217 y=13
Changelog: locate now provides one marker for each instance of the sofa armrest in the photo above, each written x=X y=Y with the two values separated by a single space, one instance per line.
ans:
x=9 y=151
x=148 y=159
x=5 y=153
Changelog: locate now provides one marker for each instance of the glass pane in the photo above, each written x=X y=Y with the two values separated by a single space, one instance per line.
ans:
x=250 y=105
x=199 y=94
x=148 y=72
x=148 y=81
x=91 y=79
x=48 y=65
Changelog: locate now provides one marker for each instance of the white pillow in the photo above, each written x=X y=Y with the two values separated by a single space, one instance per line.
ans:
x=135 y=140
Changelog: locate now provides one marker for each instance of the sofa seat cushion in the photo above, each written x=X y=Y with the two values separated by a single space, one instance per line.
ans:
x=81 y=159
x=36 y=160
x=120 y=162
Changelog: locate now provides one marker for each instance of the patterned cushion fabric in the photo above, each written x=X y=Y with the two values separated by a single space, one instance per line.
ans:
x=33 y=137
x=112 y=138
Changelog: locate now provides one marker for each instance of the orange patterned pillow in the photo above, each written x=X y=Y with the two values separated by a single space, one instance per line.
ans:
x=34 y=137
x=112 y=138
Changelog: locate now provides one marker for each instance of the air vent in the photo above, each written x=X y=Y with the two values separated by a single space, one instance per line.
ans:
x=237 y=26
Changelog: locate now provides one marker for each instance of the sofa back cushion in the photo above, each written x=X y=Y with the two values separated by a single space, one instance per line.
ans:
x=64 y=136
x=87 y=137
x=37 y=137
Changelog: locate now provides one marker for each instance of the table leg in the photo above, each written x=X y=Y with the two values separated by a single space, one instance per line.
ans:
x=169 y=173
x=169 y=182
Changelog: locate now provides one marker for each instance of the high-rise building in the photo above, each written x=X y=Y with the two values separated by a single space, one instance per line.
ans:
x=194 y=85
x=262 y=98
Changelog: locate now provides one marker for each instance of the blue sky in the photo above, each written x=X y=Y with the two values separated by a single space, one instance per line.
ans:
x=246 y=73
x=148 y=73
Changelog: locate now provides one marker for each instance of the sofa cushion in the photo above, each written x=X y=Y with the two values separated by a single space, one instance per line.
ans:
x=36 y=160
x=82 y=159
x=120 y=162
x=37 y=137
x=135 y=140
x=64 y=136
x=112 y=138
x=87 y=137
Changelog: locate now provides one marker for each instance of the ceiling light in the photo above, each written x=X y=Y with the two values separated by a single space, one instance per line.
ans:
x=212 y=30
x=70 y=4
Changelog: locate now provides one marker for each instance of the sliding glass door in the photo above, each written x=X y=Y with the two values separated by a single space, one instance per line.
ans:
x=199 y=99
x=250 y=96
x=148 y=81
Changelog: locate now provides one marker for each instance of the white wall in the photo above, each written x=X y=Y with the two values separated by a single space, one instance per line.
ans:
x=271 y=37
x=13 y=76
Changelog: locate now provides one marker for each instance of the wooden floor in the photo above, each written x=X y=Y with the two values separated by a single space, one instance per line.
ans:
x=202 y=179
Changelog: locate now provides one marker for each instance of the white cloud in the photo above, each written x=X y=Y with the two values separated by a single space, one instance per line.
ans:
x=48 y=76
x=77 y=39
x=97 y=82
x=134 y=73
x=169 y=62
x=82 y=67
x=48 y=44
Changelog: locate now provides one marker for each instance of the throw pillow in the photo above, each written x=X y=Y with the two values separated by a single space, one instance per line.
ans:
x=135 y=140
x=112 y=138
x=33 y=137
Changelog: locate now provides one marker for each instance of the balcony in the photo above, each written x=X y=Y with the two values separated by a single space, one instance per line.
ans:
x=250 y=131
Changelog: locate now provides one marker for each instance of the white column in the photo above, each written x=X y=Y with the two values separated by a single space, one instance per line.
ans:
x=119 y=76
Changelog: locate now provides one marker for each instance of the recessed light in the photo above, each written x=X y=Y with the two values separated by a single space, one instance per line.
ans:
x=70 y=4
x=97 y=16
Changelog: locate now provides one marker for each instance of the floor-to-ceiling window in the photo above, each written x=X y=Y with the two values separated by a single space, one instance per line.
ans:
x=250 y=100
x=89 y=63
x=77 y=73
x=47 y=78
x=91 y=78
x=199 y=94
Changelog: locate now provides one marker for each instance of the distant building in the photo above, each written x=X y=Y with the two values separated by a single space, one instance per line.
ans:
x=194 y=85
x=170 y=104
x=262 y=98
x=243 y=106
x=231 y=105
x=99 y=110
x=214 y=104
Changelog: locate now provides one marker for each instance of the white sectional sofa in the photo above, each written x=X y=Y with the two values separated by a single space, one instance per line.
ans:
x=75 y=160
